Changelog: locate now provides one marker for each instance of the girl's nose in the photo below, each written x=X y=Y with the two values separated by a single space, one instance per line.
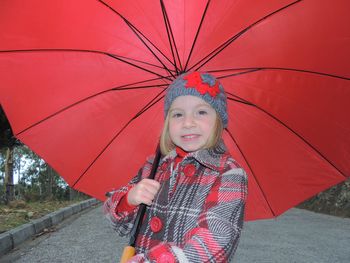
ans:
x=189 y=121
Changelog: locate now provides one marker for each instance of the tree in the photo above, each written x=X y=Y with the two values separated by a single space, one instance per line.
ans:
x=7 y=143
x=36 y=179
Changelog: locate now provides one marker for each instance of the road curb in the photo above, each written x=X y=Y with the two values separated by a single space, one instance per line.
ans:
x=14 y=237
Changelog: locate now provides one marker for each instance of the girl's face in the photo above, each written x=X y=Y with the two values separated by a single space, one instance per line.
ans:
x=191 y=122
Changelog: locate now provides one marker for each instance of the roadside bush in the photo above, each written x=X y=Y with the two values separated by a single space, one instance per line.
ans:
x=334 y=201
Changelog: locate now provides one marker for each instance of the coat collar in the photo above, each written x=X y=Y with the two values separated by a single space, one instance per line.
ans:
x=213 y=158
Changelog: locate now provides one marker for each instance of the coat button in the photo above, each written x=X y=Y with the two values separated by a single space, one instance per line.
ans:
x=189 y=170
x=156 y=224
x=166 y=257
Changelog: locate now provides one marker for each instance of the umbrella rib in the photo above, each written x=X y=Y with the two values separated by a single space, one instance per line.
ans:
x=151 y=103
x=306 y=71
x=241 y=100
x=143 y=68
x=251 y=169
x=123 y=87
x=134 y=30
x=249 y=70
x=238 y=100
x=79 y=50
x=139 y=61
x=171 y=38
x=138 y=33
x=140 y=87
x=246 y=71
x=170 y=43
x=147 y=107
x=220 y=48
x=120 y=58
x=197 y=34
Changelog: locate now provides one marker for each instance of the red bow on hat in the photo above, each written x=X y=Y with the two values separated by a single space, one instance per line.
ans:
x=195 y=81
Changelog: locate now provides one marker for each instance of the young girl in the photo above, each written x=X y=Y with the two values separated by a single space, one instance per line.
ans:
x=196 y=201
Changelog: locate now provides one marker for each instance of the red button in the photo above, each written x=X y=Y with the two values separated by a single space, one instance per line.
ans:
x=156 y=224
x=166 y=257
x=189 y=170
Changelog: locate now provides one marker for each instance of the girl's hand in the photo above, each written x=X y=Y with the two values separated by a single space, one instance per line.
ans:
x=143 y=192
x=139 y=258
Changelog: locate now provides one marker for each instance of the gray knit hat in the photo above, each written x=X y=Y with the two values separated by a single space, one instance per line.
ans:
x=202 y=85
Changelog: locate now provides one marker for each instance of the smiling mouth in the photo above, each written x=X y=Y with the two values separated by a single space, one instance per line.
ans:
x=190 y=136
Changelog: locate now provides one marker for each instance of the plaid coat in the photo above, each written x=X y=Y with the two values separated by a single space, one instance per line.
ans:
x=196 y=216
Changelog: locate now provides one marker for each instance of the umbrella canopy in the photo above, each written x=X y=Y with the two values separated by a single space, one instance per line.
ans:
x=82 y=84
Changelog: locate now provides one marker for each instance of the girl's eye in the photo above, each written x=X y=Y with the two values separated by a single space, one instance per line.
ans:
x=177 y=115
x=202 y=112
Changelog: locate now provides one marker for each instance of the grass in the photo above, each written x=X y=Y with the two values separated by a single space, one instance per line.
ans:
x=20 y=212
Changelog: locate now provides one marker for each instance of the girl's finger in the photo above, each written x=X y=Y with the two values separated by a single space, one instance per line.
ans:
x=151 y=183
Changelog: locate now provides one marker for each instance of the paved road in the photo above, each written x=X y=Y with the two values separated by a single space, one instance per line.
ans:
x=297 y=236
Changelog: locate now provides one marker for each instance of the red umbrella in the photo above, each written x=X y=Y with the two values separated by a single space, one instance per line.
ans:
x=82 y=84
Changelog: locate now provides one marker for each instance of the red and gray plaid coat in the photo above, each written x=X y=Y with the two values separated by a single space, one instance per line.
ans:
x=197 y=215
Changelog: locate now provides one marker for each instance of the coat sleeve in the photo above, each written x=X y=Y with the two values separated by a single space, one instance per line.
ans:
x=216 y=236
x=123 y=221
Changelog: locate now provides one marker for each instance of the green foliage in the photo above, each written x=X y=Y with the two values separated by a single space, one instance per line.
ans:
x=6 y=136
x=2 y=165
x=334 y=201
x=32 y=177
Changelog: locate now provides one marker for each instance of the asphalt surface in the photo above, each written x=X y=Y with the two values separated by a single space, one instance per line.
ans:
x=296 y=236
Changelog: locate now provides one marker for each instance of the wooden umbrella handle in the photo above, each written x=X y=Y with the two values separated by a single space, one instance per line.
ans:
x=128 y=253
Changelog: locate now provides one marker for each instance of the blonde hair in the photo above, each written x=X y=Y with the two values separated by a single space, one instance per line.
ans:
x=166 y=145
